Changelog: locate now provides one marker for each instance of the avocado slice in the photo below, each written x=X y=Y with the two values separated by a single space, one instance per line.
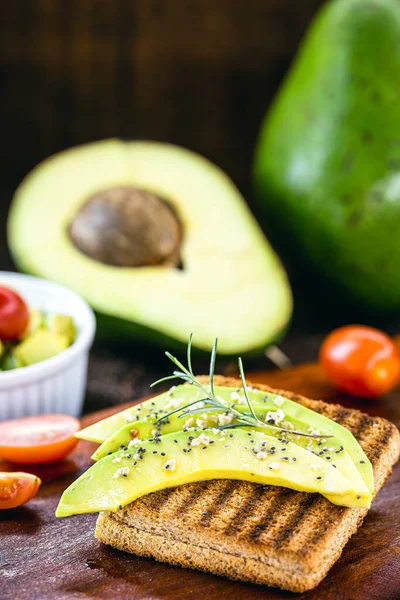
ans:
x=330 y=450
x=301 y=417
x=174 y=397
x=327 y=159
x=190 y=246
x=41 y=345
x=184 y=457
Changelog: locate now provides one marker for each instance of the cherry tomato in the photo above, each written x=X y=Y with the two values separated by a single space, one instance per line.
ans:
x=14 y=314
x=360 y=360
x=38 y=439
x=17 y=488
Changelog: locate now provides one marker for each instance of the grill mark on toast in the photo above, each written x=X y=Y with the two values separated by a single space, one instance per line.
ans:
x=190 y=499
x=342 y=414
x=363 y=424
x=328 y=517
x=243 y=510
x=322 y=410
x=266 y=518
x=375 y=448
x=219 y=501
x=295 y=521
x=156 y=500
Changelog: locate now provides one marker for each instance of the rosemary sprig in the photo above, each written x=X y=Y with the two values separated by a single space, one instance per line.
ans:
x=212 y=403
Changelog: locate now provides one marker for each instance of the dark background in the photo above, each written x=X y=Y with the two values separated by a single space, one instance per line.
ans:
x=199 y=73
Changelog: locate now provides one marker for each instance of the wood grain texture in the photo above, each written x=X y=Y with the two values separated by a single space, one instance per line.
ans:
x=195 y=72
x=45 y=558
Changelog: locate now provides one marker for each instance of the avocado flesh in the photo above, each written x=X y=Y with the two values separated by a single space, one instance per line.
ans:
x=36 y=321
x=61 y=325
x=229 y=269
x=301 y=417
x=219 y=456
x=40 y=346
x=331 y=451
x=327 y=159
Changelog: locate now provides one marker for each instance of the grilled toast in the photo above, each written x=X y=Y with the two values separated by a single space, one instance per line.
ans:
x=262 y=534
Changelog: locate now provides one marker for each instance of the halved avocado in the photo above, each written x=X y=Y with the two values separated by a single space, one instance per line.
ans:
x=180 y=458
x=157 y=239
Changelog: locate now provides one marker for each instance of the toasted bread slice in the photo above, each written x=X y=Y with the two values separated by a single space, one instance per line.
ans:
x=262 y=534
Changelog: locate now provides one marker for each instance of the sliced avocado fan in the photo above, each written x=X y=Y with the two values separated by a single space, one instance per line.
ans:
x=241 y=417
x=342 y=449
x=179 y=458
x=157 y=239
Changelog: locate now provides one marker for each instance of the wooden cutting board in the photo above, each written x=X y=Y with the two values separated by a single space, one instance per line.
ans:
x=42 y=557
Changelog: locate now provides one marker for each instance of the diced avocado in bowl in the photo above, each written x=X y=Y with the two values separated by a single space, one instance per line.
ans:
x=45 y=336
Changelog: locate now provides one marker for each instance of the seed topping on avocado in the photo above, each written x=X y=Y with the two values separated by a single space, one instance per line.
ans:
x=274 y=466
x=122 y=472
x=315 y=467
x=202 y=439
x=170 y=465
x=224 y=419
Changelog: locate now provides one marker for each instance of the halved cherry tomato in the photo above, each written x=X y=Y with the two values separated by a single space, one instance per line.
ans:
x=38 y=439
x=360 y=360
x=14 y=314
x=17 y=488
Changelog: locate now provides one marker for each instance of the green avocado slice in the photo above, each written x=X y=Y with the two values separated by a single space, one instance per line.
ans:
x=102 y=430
x=185 y=457
x=331 y=451
x=301 y=417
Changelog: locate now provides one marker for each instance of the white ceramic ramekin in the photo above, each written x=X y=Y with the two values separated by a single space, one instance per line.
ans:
x=56 y=385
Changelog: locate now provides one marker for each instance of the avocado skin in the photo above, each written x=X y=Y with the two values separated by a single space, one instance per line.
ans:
x=328 y=156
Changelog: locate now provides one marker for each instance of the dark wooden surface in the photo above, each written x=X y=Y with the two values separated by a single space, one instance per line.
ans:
x=42 y=557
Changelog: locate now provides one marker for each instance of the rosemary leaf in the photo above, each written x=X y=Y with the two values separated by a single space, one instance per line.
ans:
x=246 y=394
x=179 y=409
x=199 y=411
x=212 y=365
x=189 y=351
x=163 y=379
x=178 y=363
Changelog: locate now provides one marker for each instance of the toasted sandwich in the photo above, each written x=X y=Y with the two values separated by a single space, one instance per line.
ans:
x=258 y=533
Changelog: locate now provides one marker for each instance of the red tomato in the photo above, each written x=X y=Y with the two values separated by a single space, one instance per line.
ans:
x=38 y=439
x=17 y=488
x=14 y=314
x=360 y=360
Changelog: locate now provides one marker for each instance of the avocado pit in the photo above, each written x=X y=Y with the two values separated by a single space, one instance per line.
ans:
x=127 y=227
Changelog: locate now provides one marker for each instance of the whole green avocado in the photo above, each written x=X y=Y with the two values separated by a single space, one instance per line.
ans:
x=327 y=164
